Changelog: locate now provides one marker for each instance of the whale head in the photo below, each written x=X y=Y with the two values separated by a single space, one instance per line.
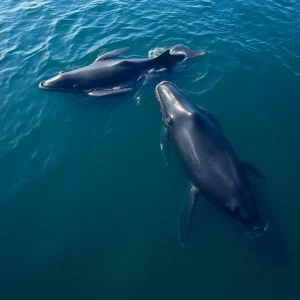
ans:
x=173 y=103
x=60 y=82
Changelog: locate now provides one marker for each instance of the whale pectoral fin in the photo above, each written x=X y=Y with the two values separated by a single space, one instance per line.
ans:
x=211 y=117
x=185 y=213
x=164 y=144
x=250 y=166
x=111 y=54
x=102 y=93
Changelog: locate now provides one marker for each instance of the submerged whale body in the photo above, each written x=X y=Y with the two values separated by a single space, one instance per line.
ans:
x=110 y=76
x=211 y=164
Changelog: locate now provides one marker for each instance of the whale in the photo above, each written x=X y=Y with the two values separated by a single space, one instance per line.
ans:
x=109 y=75
x=211 y=164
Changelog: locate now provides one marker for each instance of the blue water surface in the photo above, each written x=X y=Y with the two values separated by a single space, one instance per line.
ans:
x=88 y=210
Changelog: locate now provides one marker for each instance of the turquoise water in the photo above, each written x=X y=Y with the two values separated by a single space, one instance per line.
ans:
x=88 y=209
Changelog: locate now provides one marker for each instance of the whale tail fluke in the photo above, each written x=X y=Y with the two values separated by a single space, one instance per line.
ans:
x=167 y=59
x=187 y=52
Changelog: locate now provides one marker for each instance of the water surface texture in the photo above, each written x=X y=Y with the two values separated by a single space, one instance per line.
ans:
x=88 y=210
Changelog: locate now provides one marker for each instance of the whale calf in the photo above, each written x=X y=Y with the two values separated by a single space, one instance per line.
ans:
x=110 y=76
x=211 y=165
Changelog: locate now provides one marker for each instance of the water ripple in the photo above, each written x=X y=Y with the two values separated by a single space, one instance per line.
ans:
x=41 y=38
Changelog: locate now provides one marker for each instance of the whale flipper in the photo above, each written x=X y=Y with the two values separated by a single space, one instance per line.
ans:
x=102 y=93
x=164 y=144
x=211 y=117
x=185 y=213
x=111 y=54
x=250 y=166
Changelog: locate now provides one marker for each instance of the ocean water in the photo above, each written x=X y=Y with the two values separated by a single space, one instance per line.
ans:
x=88 y=210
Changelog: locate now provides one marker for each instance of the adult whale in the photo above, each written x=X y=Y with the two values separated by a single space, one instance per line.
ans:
x=210 y=162
x=109 y=76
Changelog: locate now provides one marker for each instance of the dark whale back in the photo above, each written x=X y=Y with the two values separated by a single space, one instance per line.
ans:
x=208 y=159
x=109 y=73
